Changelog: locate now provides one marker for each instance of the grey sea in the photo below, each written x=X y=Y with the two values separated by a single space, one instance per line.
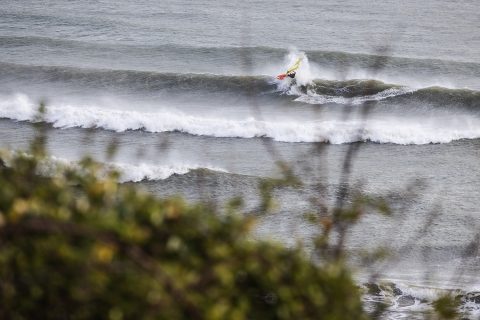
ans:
x=188 y=92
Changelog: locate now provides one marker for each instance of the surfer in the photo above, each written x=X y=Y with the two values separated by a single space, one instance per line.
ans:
x=292 y=71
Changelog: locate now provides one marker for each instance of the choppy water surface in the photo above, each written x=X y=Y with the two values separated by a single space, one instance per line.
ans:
x=189 y=92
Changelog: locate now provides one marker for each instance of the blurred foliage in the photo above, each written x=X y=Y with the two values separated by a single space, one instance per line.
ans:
x=446 y=307
x=269 y=185
x=76 y=246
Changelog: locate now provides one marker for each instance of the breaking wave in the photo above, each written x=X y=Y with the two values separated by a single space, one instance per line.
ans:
x=128 y=172
x=402 y=297
x=440 y=128
x=149 y=172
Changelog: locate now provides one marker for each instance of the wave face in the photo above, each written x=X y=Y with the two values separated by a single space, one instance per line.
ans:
x=442 y=128
x=137 y=80
x=311 y=90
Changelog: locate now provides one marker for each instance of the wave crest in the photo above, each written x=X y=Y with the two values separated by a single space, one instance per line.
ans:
x=336 y=130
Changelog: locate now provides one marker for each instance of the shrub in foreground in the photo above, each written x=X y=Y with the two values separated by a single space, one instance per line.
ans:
x=75 y=246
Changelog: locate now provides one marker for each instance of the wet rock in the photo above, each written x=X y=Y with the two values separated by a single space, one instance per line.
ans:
x=472 y=297
x=396 y=291
x=392 y=287
x=406 y=301
x=373 y=289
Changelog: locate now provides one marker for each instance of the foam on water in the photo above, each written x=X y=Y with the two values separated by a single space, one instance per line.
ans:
x=439 y=128
x=414 y=299
x=314 y=98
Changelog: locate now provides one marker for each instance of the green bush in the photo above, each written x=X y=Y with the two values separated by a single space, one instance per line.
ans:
x=76 y=246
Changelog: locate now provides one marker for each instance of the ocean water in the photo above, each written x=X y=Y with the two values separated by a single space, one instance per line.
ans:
x=188 y=92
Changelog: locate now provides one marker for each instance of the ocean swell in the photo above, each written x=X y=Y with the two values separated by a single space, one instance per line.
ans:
x=307 y=88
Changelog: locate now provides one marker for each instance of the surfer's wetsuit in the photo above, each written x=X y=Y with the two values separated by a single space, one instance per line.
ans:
x=292 y=71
